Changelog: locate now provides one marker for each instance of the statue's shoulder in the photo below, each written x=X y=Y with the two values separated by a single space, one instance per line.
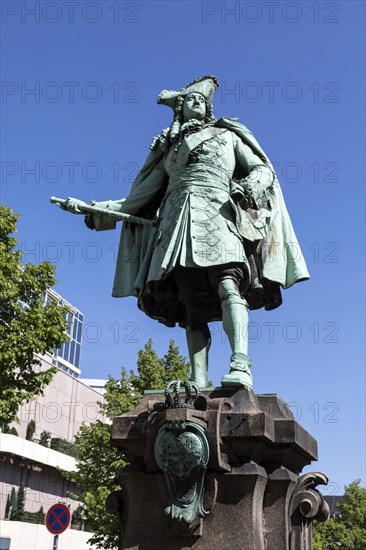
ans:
x=233 y=124
x=245 y=135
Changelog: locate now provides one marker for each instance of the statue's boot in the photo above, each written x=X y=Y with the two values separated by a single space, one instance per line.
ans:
x=235 y=324
x=199 y=342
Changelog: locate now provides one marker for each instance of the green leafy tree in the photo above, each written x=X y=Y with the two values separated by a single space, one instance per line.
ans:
x=120 y=395
x=44 y=439
x=7 y=507
x=40 y=516
x=34 y=517
x=12 y=504
x=150 y=370
x=26 y=325
x=98 y=462
x=97 y=465
x=63 y=446
x=17 y=514
x=5 y=428
x=176 y=366
x=77 y=518
x=155 y=372
x=31 y=428
x=347 y=529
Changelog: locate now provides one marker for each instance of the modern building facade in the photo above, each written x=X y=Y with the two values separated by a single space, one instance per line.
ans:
x=67 y=358
x=31 y=461
x=98 y=384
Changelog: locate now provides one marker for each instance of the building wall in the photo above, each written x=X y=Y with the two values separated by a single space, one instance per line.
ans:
x=36 y=468
x=14 y=537
x=98 y=384
x=66 y=404
x=67 y=357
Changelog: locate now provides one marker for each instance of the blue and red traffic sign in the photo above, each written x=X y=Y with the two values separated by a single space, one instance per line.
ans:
x=58 y=518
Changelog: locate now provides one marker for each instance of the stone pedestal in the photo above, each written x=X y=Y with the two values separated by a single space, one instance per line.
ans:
x=221 y=475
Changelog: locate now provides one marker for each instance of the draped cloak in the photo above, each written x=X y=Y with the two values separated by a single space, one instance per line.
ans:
x=274 y=255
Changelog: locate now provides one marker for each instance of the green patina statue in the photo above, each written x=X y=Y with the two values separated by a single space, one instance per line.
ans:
x=206 y=234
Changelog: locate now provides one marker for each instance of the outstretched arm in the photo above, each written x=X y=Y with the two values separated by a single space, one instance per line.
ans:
x=141 y=195
x=146 y=191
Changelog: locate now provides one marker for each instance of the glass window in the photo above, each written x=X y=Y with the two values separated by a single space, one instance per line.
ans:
x=74 y=328
x=60 y=352
x=77 y=356
x=80 y=327
x=72 y=352
x=69 y=324
x=65 y=354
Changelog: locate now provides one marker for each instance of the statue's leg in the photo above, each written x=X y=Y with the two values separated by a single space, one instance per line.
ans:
x=198 y=343
x=235 y=323
x=192 y=284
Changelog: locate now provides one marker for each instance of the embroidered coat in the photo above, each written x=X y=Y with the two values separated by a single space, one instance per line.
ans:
x=195 y=190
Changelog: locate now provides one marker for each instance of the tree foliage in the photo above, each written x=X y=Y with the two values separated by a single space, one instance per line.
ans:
x=15 y=508
x=98 y=462
x=63 y=446
x=44 y=438
x=11 y=503
x=347 y=528
x=155 y=372
x=176 y=366
x=6 y=429
x=31 y=428
x=26 y=325
x=18 y=511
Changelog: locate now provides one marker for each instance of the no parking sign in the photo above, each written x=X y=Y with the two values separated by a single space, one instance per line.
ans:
x=58 y=519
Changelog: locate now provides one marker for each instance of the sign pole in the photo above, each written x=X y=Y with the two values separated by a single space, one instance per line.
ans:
x=55 y=542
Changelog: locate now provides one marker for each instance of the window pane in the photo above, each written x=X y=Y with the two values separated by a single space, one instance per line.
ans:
x=65 y=354
x=77 y=355
x=72 y=352
x=74 y=328
x=78 y=337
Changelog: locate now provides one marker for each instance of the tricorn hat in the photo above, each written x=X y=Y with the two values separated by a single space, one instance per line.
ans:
x=206 y=85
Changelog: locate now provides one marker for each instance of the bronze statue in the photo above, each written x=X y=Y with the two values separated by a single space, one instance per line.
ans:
x=209 y=236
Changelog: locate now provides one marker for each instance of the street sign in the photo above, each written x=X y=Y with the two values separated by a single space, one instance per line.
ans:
x=58 y=518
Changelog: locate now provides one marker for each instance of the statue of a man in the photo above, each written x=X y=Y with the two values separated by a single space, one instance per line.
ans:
x=222 y=243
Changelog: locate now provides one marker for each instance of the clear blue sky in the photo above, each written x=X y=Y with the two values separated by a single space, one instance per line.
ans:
x=296 y=73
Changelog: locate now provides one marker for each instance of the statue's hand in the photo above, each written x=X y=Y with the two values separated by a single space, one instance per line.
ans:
x=72 y=205
x=101 y=221
x=244 y=192
x=109 y=204
x=248 y=198
x=89 y=221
